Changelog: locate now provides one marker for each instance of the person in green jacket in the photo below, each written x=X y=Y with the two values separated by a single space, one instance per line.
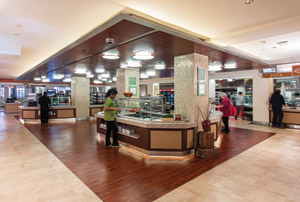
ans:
x=110 y=111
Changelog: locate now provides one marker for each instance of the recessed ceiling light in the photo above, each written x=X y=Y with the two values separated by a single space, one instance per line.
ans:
x=134 y=64
x=214 y=68
x=160 y=66
x=143 y=55
x=103 y=79
x=151 y=73
x=37 y=78
x=144 y=76
x=111 y=56
x=106 y=75
x=80 y=71
x=97 y=81
x=114 y=78
x=43 y=77
x=230 y=66
x=67 y=80
x=45 y=80
x=58 y=76
x=249 y=1
x=100 y=70
x=89 y=75
x=123 y=66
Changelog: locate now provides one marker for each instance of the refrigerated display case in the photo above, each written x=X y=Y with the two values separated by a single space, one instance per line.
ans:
x=146 y=108
x=60 y=101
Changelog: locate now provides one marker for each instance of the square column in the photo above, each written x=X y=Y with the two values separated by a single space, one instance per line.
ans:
x=128 y=80
x=80 y=94
x=187 y=101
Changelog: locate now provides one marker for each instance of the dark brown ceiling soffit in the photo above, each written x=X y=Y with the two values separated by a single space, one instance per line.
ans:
x=141 y=21
x=154 y=25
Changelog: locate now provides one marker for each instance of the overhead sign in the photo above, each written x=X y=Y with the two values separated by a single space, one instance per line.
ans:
x=296 y=70
x=274 y=75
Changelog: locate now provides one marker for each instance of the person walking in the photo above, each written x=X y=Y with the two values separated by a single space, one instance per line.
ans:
x=227 y=109
x=277 y=101
x=110 y=118
x=239 y=103
x=45 y=105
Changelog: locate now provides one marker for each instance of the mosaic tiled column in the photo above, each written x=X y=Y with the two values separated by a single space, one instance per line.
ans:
x=123 y=81
x=187 y=101
x=80 y=94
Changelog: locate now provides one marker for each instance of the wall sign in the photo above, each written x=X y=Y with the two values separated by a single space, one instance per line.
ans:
x=201 y=78
x=132 y=86
x=296 y=70
x=274 y=75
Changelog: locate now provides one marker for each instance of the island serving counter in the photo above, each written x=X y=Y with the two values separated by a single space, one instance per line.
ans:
x=153 y=137
x=291 y=116
x=55 y=113
x=11 y=107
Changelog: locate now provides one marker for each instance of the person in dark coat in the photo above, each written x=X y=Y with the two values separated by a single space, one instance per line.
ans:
x=44 y=103
x=277 y=101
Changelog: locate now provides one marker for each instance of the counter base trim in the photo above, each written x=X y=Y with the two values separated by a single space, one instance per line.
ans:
x=162 y=155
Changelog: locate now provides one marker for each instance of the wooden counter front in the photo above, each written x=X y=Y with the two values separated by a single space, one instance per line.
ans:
x=55 y=113
x=94 y=109
x=290 y=116
x=11 y=107
x=159 y=139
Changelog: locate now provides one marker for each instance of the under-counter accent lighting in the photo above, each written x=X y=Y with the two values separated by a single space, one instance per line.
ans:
x=160 y=66
x=100 y=70
x=230 y=66
x=151 y=73
x=97 y=81
x=134 y=64
x=111 y=56
x=58 y=76
x=144 y=76
x=143 y=55
x=37 y=79
x=67 y=80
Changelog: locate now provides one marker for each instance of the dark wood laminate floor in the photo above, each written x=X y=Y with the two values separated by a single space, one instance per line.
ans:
x=116 y=175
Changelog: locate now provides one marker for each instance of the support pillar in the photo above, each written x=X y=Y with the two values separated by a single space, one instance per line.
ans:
x=128 y=80
x=187 y=101
x=80 y=94
x=262 y=90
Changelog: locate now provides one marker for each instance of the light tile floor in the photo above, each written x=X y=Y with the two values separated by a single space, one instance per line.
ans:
x=267 y=172
x=29 y=172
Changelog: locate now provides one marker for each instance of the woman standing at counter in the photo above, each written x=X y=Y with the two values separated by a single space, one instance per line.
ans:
x=227 y=109
x=109 y=116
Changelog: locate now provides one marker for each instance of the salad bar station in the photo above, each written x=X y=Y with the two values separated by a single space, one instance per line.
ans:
x=141 y=126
